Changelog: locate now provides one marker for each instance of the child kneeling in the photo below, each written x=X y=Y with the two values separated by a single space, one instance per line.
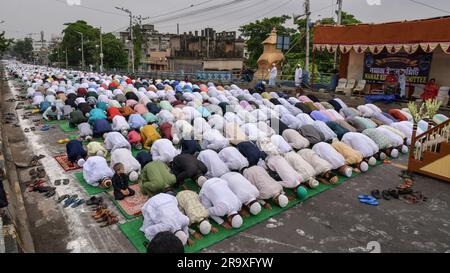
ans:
x=120 y=183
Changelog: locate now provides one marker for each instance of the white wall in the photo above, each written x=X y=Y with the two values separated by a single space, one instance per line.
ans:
x=440 y=68
x=355 y=66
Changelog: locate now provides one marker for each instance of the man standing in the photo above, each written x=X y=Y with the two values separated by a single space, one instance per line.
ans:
x=298 y=76
x=402 y=82
x=273 y=75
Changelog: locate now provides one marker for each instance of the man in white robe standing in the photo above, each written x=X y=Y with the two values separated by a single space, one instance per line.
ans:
x=273 y=75
x=298 y=75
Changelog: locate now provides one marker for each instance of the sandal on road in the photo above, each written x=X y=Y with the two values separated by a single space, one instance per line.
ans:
x=386 y=195
x=65 y=181
x=62 y=198
x=70 y=200
x=369 y=201
x=376 y=194
x=78 y=203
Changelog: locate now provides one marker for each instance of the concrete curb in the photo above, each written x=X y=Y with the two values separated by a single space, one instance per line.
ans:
x=16 y=231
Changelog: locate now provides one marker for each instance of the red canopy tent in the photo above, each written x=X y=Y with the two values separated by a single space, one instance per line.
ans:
x=409 y=36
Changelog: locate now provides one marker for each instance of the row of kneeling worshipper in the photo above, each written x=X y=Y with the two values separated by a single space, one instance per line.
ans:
x=241 y=147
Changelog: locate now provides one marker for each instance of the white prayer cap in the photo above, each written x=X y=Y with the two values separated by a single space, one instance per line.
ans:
x=255 y=208
x=348 y=172
x=394 y=153
x=201 y=180
x=405 y=149
x=100 y=153
x=283 y=200
x=372 y=161
x=81 y=162
x=236 y=221
x=313 y=183
x=134 y=176
x=205 y=227
x=364 y=167
x=182 y=236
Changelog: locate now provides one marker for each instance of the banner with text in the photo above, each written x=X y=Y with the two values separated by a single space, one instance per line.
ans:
x=416 y=66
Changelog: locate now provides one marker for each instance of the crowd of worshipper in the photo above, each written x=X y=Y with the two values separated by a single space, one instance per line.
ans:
x=243 y=148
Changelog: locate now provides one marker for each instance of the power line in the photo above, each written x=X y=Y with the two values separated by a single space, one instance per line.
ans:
x=429 y=6
x=205 y=9
x=90 y=8
x=235 y=10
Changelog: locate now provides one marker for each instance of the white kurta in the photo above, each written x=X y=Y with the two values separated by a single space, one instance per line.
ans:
x=95 y=169
x=302 y=167
x=327 y=152
x=319 y=164
x=218 y=198
x=305 y=119
x=200 y=127
x=290 y=178
x=295 y=139
x=125 y=157
x=395 y=139
x=233 y=159
x=214 y=140
x=241 y=187
x=361 y=143
x=115 y=140
x=119 y=123
x=216 y=122
x=326 y=131
x=216 y=167
x=163 y=150
x=252 y=131
x=161 y=213
x=269 y=131
x=281 y=144
x=291 y=121
x=298 y=76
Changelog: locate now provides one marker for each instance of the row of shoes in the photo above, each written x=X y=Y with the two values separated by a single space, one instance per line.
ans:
x=38 y=186
x=38 y=172
x=102 y=214
x=71 y=200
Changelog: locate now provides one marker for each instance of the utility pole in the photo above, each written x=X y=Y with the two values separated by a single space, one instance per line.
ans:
x=130 y=14
x=339 y=22
x=82 y=49
x=101 y=51
x=67 y=62
x=307 y=13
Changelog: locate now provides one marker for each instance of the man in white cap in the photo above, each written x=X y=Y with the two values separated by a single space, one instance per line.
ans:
x=362 y=143
x=216 y=167
x=132 y=167
x=220 y=201
x=273 y=75
x=163 y=150
x=337 y=161
x=267 y=186
x=198 y=215
x=244 y=190
x=115 y=140
x=96 y=171
x=214 y=140
x=303 y=168
x=120 y=124
x=161 y=213
x=234 y=160
x=96 y=148
x=298 y=75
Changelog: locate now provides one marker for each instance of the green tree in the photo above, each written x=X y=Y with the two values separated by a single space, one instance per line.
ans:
x=113 y=49
x=138 y=40
x=4 y=43
x=256 y=32
x=23 y=49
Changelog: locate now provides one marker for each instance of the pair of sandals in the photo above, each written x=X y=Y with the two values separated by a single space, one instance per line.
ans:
x=39 y=172
x=35 y=160
x=105 y=216
x=385 y=194
x=58 y=182
x=71 y=200
x=368 y=200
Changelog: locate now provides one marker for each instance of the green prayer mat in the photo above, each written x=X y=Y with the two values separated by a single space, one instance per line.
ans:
x=91 y=190
x=66 y=127
x=131 y=228
x=50 y=122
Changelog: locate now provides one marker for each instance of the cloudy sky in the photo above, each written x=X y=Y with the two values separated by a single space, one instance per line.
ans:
x=32 y=16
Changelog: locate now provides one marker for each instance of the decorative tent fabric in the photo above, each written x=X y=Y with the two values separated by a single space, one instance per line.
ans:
x=428 y=34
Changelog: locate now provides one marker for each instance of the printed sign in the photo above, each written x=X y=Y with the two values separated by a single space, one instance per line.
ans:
x=416 y=66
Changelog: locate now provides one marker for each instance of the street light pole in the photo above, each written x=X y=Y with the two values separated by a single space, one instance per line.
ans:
x=101 y=51
x=67 y=62
x=130 y=14
x=339 y=22
x=307 y=13
x=82 y=49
